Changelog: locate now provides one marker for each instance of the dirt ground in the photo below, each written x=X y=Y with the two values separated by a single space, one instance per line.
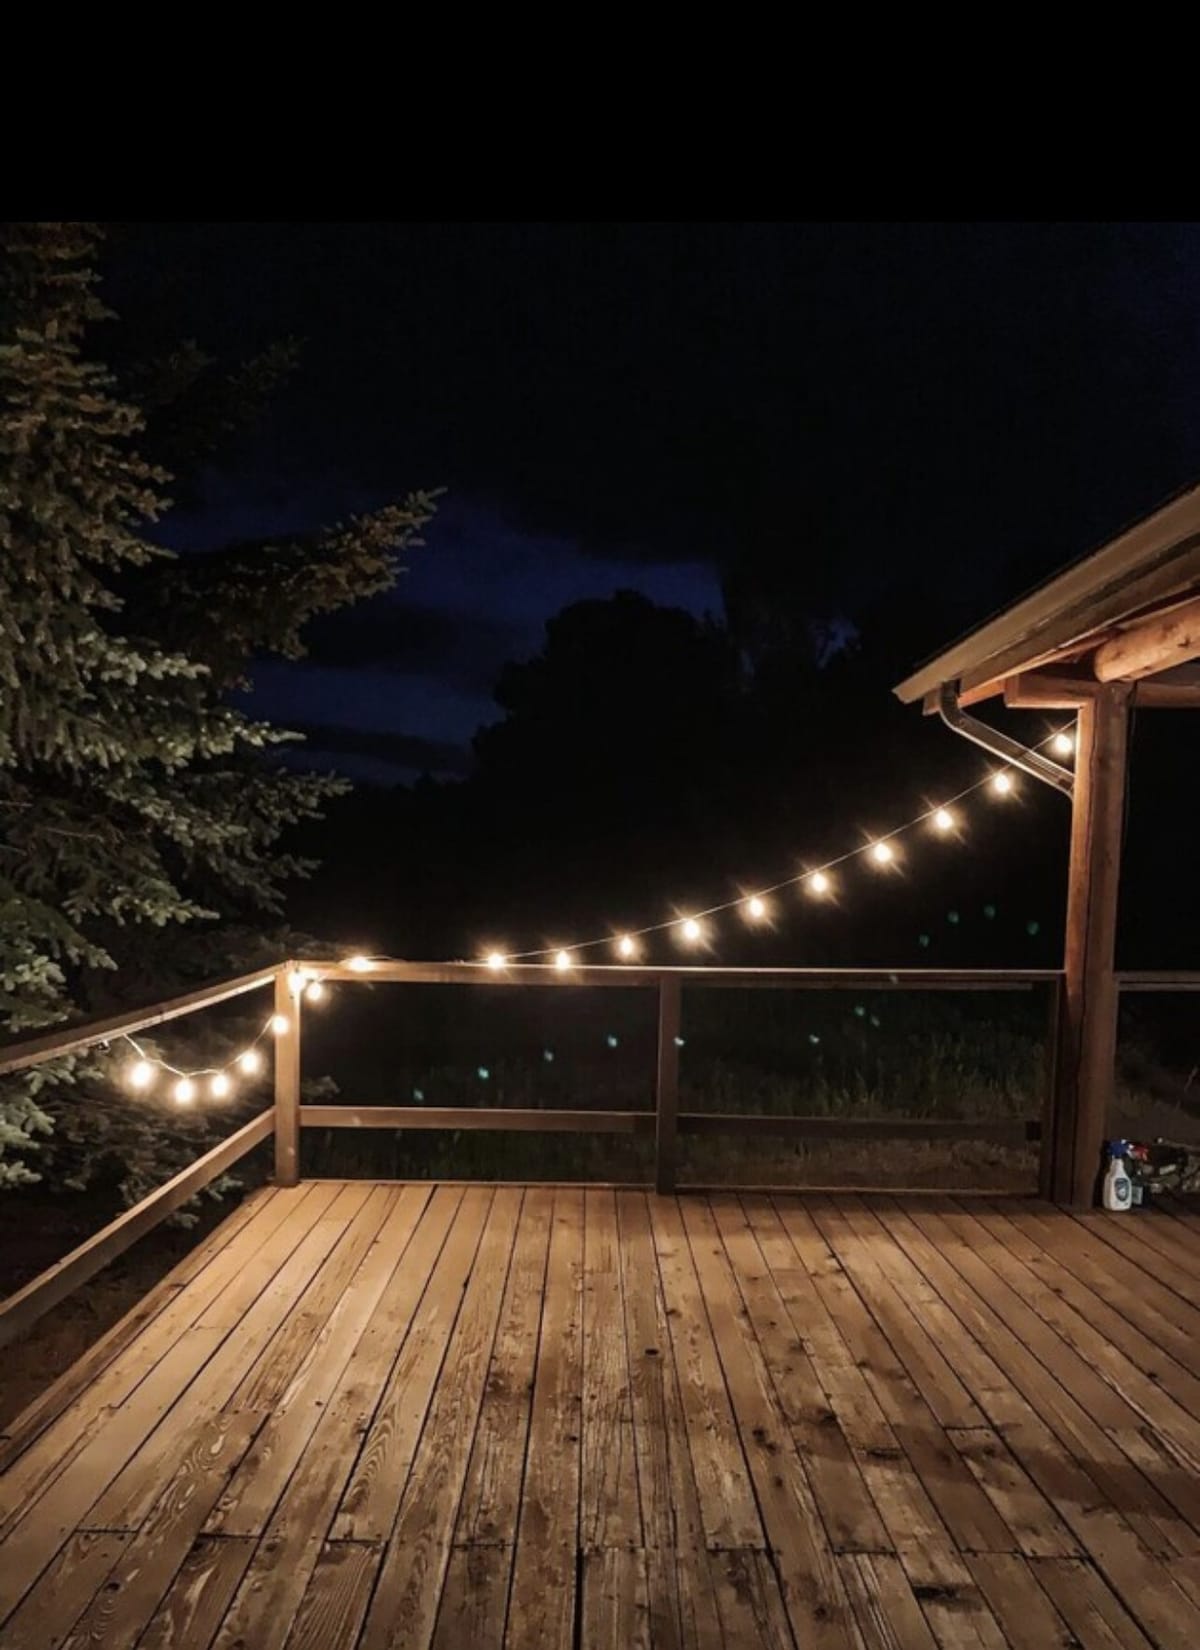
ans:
x=36 y=1229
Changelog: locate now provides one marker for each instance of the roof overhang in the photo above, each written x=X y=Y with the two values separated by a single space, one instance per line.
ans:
x=1126 y=612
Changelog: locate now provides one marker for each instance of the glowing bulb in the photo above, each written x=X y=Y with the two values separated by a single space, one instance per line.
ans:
x=184 y=1092
x=359 y=965
x=140 y=1074
x=496 y=961
x=563 y=960
x=882 y=853
x=279 y=1024
x=297 y=980
x=314 y=991
x=1002 y=783
x=756 y=908
x=818 y=883
x=627 y=946
x=691 y=930
x=944 y=819
x=250 y=1062
x=220 y=1087
x=1063 y=744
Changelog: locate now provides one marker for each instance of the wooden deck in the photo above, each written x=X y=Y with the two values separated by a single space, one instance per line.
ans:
x=377 y=1415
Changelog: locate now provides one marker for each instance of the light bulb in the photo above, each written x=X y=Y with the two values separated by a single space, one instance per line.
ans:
x=563 y=960
x=250 y=1061
x=944 y=819
x=755 y=908
x=184 y=1092
x=1063 y=744
x=496 y=961
x=140 y=1075
x=279 y=1024
x=220 y=1087
x=882 y=852
x=626 y=946
x=691 y=930
x=314 y=991
x=297 y=979
x=1002 y=783
x=359 y=965
x=818 y=883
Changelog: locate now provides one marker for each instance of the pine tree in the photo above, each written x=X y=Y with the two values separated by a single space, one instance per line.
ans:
x=136 y=800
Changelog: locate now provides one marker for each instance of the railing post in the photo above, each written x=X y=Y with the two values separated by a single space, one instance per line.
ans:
x=666 y=1091
x=287 y=1082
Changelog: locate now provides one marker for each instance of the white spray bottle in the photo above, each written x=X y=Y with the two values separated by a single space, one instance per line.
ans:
x=1118 y=1188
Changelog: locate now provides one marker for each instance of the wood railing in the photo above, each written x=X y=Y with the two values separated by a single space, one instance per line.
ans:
x=287 y=1117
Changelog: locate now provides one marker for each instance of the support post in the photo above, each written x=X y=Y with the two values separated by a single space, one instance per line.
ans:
x=287 y=1082
x=666 y=1091
x=1055 y=1015
x=1087 y=1050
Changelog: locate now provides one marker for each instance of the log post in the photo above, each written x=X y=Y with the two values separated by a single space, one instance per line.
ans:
x=666 y=1090
x=287 y=1081
x=1089 y=1035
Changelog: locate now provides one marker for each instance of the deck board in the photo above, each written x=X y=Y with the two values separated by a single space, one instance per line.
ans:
x=381 y=1417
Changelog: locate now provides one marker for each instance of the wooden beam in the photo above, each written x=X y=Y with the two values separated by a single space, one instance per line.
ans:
x=1155 y=695
x=1085 y=1067
x=287 y=1082
x=505 y=1119
x=1046 y=690
x=1157 y=644
x=666 y=1087
x=31 y=1051
x=24 y=1308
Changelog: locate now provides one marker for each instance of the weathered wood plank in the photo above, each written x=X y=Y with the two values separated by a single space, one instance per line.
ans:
x=368 y=1506
x=812 y=1591
x=51 y=1609
x=616 y=1603
x=474 y=1602
x=723 y=1479
x=199 y=1596
x=610 y=1512
x=144 y=1572
x=851 y=1520
x=334 y=1605
x=542 y=1602
x=403 y=1611
x=491 y=1496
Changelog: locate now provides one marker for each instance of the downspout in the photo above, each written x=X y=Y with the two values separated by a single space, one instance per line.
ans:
x=1000 y=744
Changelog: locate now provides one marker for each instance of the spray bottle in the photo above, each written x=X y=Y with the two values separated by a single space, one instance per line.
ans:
x=1118 y=1188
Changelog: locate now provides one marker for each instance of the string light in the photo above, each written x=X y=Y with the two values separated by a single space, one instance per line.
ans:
x=141 y=1073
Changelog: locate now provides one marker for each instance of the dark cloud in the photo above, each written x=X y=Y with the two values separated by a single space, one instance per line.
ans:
x=407 y=752
x=466 y=650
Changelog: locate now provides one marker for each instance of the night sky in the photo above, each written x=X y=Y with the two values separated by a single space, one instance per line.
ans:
x=655 y=407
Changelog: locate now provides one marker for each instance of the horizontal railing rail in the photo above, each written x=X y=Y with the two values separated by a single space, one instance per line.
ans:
x=1158 y=979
